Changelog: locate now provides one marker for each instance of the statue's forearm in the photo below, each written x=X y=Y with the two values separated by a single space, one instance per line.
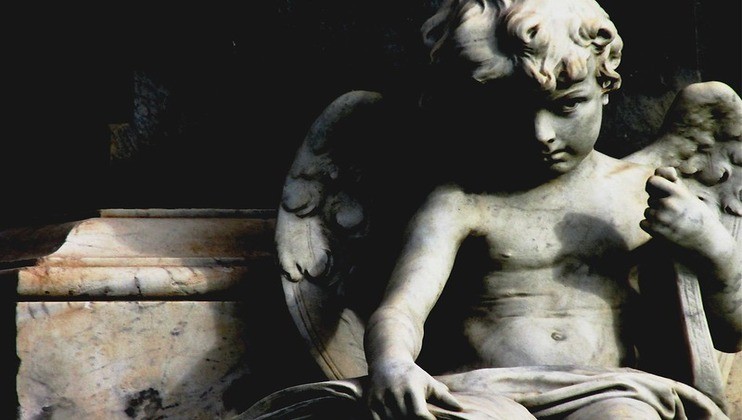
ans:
x=721 y=285
x=392 y=334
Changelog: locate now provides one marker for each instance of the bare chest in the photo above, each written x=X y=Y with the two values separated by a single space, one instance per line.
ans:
x=541 y=235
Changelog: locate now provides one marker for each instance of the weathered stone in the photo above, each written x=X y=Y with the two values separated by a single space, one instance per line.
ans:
x=151 y=256
x=123 y=360
x=538 y=276
x=104 y=329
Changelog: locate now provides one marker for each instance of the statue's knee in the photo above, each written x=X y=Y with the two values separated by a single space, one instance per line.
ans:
x=616 y=409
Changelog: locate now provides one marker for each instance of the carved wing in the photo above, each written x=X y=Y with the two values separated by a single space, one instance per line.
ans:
x=342 y=194
x=322 y=208
x=701 y=137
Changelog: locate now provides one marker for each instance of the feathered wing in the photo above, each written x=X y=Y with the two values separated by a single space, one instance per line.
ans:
x=701 y=137
x=322 y=209
x=343 y=179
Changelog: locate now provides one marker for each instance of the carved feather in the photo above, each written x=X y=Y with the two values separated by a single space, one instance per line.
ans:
x=702 y=138
x=322 y=211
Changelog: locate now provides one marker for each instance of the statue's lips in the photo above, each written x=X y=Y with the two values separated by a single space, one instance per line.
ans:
x=558 y=155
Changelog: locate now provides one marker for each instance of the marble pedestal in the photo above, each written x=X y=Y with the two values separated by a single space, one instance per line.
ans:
x=150 y=314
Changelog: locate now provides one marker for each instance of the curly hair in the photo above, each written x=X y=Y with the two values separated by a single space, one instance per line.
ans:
x=551 y=41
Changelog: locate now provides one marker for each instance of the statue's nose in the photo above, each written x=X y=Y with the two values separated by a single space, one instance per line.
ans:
x=543 y=127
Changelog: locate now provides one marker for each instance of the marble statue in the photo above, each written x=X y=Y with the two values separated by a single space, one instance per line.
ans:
x=535 y=277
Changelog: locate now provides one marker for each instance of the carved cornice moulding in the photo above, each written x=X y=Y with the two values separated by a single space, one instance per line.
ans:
x=141 y=253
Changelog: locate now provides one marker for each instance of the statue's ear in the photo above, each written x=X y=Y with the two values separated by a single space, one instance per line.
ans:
x=604 y=99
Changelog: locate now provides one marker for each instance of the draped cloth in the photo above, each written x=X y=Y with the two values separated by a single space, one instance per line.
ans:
x=501 y=393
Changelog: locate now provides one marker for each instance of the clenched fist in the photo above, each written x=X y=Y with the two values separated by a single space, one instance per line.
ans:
x=677 y=215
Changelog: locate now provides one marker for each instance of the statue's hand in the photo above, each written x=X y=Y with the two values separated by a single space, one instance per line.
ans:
x=677 y=215
x=400 y=389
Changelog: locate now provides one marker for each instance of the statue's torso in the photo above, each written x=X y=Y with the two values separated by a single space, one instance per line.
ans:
x=557 y=288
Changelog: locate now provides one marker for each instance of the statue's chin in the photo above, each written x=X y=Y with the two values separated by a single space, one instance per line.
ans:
x=560 y=167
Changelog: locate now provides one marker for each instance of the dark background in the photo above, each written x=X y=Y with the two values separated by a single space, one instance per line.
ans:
x=214 y=100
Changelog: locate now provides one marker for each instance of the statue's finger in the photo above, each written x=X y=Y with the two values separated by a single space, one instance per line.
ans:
x=442 y=395
x=374 y=415
x=659 y=187
x=395 y=405
x=647 y=226
x=667 y=172
x=650 y=213
x=655 y=187
x=654 y=203
x=418 y=406
x=376 y=406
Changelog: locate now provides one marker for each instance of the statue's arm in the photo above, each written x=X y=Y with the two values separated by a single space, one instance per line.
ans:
x=701 y=137
x=719 y=270
x=722 y=293
x=395 y=329
x=394 y=332
x=678 y=216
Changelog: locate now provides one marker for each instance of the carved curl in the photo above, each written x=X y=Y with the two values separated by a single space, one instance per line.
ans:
x=551 y=41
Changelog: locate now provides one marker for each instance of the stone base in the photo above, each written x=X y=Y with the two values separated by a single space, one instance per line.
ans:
x=149 y=314
x=124 y=360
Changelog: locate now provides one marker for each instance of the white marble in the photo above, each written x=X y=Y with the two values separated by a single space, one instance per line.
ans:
x=123 y=360
x=151 y=256
x=135 y=347
x=584 y=260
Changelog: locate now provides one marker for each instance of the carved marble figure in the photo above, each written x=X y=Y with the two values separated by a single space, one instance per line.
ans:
x=537 y=277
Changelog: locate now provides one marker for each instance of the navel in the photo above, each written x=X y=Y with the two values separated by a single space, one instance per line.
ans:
x=558 y=336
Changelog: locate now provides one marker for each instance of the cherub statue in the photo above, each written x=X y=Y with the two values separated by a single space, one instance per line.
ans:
x=551 y=251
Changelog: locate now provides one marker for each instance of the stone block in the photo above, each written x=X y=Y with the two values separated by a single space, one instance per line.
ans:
x=128 y=359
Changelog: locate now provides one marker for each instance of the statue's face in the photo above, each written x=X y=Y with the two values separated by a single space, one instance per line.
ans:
x=565 y=123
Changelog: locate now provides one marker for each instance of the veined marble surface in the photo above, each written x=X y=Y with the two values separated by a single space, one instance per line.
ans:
x=124 y=360
x=151 y=256
x=104 y=330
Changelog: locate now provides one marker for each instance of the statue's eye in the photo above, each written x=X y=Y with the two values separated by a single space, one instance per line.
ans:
x=570 y=104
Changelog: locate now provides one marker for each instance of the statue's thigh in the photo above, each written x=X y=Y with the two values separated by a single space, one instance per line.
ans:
x=491 y=408
x=616 y=409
